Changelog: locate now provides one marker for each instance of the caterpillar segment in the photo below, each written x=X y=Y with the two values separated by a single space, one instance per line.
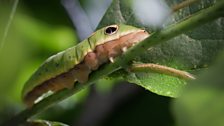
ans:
x=76 y=63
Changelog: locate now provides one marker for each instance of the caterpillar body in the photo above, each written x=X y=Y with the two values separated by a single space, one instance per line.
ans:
x=76 y=63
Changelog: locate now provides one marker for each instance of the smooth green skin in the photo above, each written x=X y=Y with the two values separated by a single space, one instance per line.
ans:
x=67 y=59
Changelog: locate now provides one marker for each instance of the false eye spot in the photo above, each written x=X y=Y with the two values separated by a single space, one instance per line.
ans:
x=111 y=29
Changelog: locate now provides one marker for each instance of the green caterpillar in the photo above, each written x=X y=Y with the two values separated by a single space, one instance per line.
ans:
x=76 y=63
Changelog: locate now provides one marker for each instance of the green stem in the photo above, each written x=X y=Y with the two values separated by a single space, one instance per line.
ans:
x=194 y=21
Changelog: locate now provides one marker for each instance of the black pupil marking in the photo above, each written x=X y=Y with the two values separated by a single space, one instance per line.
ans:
x=111 y=30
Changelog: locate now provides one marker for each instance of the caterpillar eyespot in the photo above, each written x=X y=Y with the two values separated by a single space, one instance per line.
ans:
x=76 y=63
x=111 y=29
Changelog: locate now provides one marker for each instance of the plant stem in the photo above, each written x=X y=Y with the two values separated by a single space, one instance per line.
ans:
x=6 y=29
x=150 y=67
x=183 y=4
x=194 y=21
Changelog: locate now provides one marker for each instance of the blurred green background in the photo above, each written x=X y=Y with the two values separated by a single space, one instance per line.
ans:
x=42 y=28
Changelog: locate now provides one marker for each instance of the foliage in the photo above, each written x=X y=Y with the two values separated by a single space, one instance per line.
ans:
x=190 y=51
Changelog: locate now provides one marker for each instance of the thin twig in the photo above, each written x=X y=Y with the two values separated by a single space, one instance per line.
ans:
x=6 y=30
x=183 y=4
x=161 y=69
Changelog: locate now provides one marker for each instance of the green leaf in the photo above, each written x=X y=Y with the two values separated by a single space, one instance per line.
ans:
x=193 y=49
x=158 y=83
x=190 y=51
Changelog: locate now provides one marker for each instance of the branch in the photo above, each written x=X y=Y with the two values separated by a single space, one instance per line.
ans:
x=156 y=68
x=183 y=4
x=194 y=21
